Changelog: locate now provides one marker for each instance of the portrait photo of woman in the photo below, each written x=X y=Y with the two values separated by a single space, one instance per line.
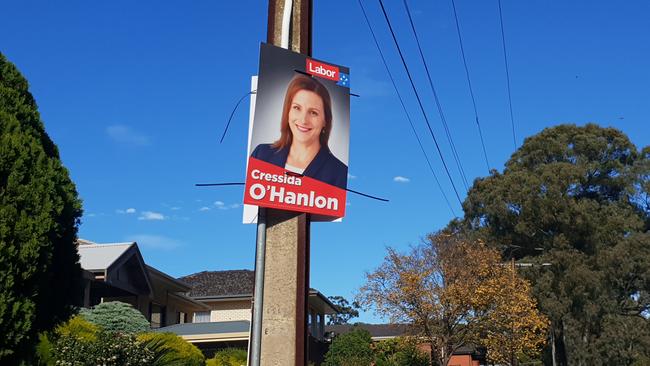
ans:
x=305 y=128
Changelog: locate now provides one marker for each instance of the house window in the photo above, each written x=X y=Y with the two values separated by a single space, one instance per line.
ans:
x=202 y=317
x=181 y=318
x=157 y=316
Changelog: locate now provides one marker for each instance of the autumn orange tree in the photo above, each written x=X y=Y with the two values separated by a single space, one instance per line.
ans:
x=455 y=292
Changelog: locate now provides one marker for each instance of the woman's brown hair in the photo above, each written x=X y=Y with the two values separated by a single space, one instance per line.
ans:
x=298 y=83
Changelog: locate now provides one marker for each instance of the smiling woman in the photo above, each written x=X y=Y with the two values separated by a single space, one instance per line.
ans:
x=305 y=127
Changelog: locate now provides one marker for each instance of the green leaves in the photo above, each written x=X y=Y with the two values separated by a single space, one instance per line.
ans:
x=172 y=350
x=577 y=198
x=344 y=310
x=350 y=349
x=228 y=357
x=110 y=349
x=40 y=277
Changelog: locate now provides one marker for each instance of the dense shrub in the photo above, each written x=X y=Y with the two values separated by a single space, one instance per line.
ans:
x=79 y=342
x=110 y=349
x=171 y=350
x=228 y=357
x=80 y=328
x=399 y=352
x=77 y=327
x=115 y=316
x=350 y=349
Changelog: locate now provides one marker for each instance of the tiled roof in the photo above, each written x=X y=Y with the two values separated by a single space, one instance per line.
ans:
x=221 y=283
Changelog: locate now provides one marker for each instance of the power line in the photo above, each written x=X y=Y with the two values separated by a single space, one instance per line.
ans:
x=417 y=96
x=437 y=100
x=505 y=59
x=408 y=117
x=469 y=83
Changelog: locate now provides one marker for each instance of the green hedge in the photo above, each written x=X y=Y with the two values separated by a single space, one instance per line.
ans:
x=110 y=349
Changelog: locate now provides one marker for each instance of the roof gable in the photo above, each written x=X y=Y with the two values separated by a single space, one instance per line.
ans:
x=121 y=264
x=95 y=257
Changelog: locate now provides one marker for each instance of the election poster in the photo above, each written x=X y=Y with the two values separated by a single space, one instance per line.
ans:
x=299 y=142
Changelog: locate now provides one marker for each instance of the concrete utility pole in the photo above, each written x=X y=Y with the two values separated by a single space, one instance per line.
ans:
x=283 y=330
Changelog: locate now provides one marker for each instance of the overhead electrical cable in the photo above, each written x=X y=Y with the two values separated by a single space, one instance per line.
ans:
x=469 y=84
x=417 y=96
x=408 y=117
x=505 y=59
x=437 y=100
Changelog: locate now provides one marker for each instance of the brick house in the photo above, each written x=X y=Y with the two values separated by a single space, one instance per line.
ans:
x=117 y=272
x=229 y=295
x=211 y=309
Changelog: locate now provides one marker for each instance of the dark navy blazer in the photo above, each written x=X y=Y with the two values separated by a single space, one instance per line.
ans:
x=324 y=167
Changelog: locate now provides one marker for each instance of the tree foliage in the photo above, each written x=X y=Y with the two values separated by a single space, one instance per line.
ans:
x=116 y=316
x=350 y=349
x=344 y=310
x=401 y=351
x=578 y=199
x=456 y=292
x=40 y=277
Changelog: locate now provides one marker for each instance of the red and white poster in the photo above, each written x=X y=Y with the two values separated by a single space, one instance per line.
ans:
x=299 y=144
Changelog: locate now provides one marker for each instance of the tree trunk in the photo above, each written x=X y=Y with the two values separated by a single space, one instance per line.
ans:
x=445 y=355
x=553 y=346
x=558 y=346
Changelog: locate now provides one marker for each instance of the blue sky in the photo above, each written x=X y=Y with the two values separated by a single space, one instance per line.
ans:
x=136 y=95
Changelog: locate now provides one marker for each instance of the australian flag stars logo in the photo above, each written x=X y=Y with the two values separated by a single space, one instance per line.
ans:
x=344 y=80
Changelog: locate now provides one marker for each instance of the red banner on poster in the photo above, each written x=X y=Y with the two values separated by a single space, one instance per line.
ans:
x=322 y=70
x=269 y=185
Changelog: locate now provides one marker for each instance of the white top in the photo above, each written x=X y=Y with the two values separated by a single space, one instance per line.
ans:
x=292 y=168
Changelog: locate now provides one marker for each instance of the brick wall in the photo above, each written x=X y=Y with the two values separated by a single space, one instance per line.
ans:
x=230 y=310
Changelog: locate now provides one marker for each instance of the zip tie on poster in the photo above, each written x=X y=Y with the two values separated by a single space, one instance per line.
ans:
x=287 y=173
x=311 y=76
x=233 y=113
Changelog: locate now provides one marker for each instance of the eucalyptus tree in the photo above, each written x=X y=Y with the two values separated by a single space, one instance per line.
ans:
x=578 y=200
